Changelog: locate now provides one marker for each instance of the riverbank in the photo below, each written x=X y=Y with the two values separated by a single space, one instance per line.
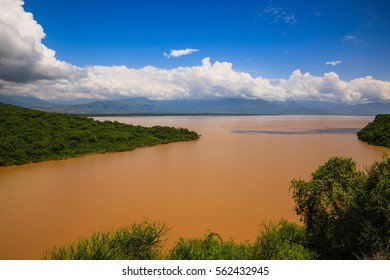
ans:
x=34 y=136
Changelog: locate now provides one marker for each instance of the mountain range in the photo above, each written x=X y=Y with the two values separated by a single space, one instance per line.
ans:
x=223 y=106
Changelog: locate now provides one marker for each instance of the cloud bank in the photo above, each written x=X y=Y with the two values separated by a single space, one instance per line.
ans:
x=28 y=67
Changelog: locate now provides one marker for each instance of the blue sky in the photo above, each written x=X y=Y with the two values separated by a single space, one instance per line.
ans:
x=333 y=50
x=267 y=38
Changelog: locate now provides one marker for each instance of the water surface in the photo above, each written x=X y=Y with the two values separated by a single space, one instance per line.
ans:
x=230 y=180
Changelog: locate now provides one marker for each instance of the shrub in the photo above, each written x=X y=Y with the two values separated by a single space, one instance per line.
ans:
x=140 y=241
x=211 y=247
x=282 y=241
x=346 y=211
x=374 y=212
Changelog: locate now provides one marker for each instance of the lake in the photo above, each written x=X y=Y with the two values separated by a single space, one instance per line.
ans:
x=234 y=177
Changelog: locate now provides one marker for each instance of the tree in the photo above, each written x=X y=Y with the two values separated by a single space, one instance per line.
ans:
x=346 y=211
x=377 y=132
x=374 y=212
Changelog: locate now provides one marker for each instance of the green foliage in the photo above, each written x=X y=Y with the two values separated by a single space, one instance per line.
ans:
x=144 y=241
x=346 y=211
x=31 y=136
x=211 y=247
x=141 y=241
x=373 y=210
x=377 y=132
x=282 y=241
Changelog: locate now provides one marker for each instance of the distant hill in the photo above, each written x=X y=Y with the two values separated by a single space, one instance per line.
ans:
x=25 y=101
x=223 y=106
x=227 y=106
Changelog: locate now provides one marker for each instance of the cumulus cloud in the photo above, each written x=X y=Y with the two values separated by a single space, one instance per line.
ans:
x=329 y=87
x=333 y=63
x=23 y=57
x=208 y=80
x=178 y=53
x=28 y=67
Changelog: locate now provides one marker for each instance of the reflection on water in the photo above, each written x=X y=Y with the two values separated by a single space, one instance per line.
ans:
x=326 y=130
x=224 y=182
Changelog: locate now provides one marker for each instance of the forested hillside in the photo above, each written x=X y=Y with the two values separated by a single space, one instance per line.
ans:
x=377 y=132
x=31 y=136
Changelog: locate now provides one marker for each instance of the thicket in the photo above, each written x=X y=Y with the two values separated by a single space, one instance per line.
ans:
x=32 y=136
x=144 y=241
x=377 y=132
x=346 y=211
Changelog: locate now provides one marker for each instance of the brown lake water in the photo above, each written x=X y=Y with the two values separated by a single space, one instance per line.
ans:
x=230 y=180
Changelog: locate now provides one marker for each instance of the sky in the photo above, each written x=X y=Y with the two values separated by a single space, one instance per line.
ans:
x=169 y=49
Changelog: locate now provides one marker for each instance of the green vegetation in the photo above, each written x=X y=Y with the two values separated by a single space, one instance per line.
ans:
x=377 y=132
x=345 y=211
x=144 y=241
x=211 y=247
x=32 y=136
x=284 y=241
x=139 y=242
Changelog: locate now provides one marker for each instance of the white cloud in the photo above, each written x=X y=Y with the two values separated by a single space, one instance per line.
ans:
x=208 y=80
x=23 y=57
x=329 y=87
x=178 y=53
x=333 y=63
x=29 y=67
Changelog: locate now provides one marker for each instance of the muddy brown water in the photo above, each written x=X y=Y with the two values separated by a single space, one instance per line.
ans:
x=234 y=177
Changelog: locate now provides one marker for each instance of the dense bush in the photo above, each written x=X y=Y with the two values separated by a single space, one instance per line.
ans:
x=141 y=241
x=377 y=132
x=346 y=211
x=144 y=241
x=211 y=247
x=31 y=136
x=283 y=241
x=373 y=212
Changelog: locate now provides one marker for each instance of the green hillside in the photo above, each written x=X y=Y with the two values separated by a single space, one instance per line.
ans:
x=32 y=136
x=377 y=132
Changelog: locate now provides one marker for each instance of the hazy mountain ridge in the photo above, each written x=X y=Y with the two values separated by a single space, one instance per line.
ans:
x=225 y=106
